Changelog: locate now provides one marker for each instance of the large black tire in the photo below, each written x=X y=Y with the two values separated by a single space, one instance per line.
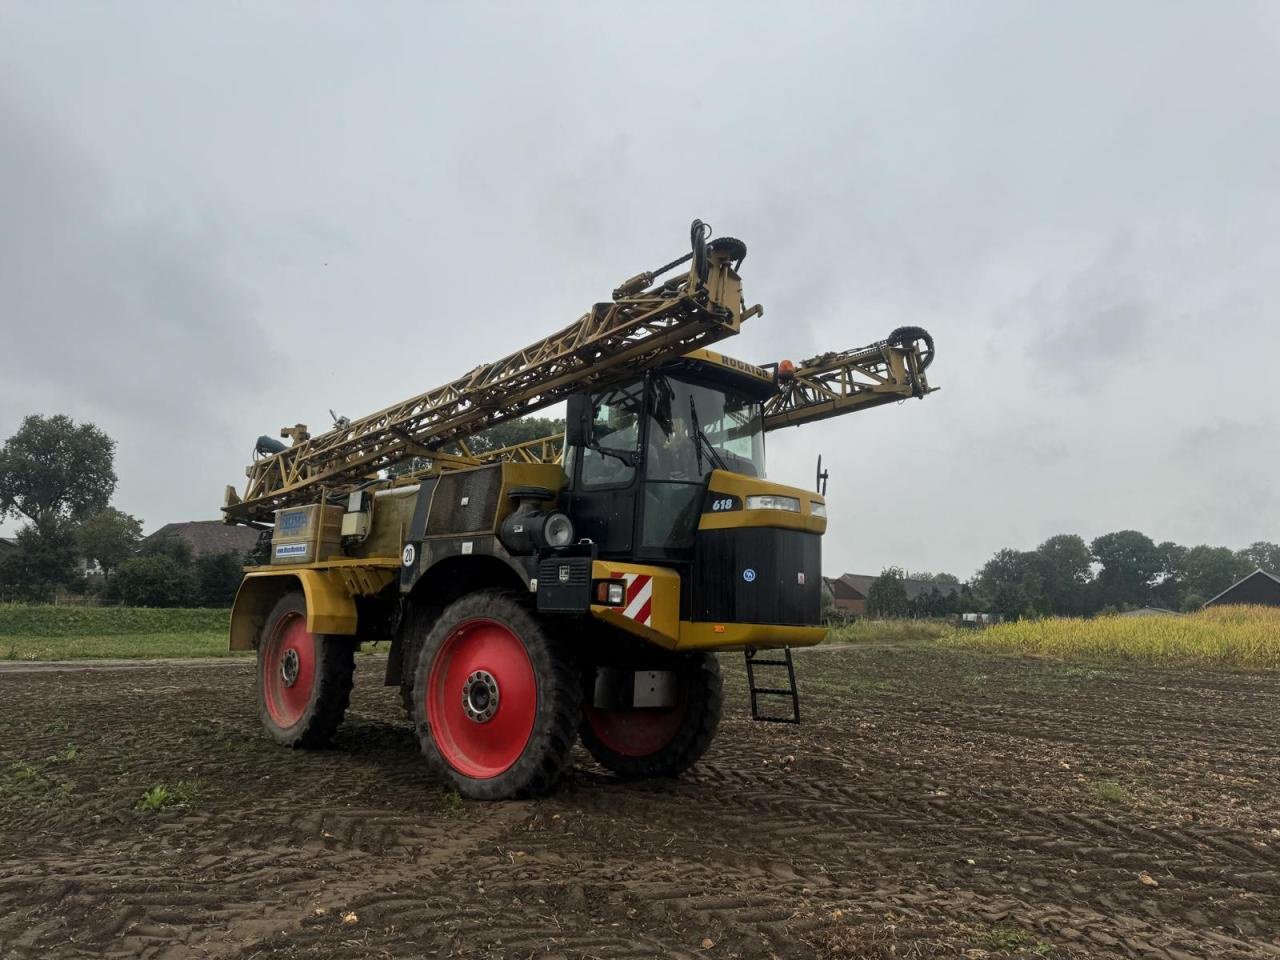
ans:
x=693 y=726
x=417 y=624
x=308 y=711
x=494 y=636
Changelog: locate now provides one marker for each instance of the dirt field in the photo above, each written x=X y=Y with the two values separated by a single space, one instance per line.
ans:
x=934 y=804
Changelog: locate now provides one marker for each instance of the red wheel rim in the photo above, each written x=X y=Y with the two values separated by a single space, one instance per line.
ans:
x=288 y=665
x=636 y=732
x=481 y=735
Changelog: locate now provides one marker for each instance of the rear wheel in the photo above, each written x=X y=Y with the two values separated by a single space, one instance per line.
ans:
x=304 y=679
x=496 y=701
x=659 y=741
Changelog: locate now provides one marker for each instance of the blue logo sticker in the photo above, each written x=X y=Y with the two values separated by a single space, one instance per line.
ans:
x=749 y=575
x=292 y=522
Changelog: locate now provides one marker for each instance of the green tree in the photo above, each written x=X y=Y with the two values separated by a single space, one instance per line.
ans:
x=176 y=551
x=41 y=562
x=218 y=577
x=515 y=431
x=887 y=595
x=942 y=597
x=1170 y=588
x=495 y=438
x=54 y=470
x=1262 y=555
x=1012 y=583
x=1130 y=563
x=1065 y=571
x=155 y=580
x=110 y=537
x=1207 y=571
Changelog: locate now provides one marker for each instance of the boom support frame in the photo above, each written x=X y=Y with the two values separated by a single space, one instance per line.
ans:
x=640 y=329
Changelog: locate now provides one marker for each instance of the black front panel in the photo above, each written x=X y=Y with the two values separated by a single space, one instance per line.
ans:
x=564 y=581
x=756 y=575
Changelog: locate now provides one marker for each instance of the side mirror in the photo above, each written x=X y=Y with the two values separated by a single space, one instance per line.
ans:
x=577 y=421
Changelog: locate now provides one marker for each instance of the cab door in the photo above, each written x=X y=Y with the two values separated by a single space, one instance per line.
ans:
x=605 y=476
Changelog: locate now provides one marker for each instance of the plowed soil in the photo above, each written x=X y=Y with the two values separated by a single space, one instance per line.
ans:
x=932 y=804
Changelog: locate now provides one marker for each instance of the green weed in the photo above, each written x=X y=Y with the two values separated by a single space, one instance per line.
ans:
x=1010 y=938
x=161 y=796
x=1108 y=791
x=451 y=804
x=31 y=784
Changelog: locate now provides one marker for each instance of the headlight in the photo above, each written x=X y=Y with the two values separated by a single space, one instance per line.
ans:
x=558 y=530
x=771 y=501
x=817 y=509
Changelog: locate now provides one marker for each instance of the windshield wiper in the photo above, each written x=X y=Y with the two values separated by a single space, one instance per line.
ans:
x=701 y=440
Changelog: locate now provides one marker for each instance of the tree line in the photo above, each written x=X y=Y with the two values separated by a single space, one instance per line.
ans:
x=1067 y=576
x=59 y=476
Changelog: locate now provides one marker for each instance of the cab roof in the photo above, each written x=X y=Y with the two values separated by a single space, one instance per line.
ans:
x=754 y=381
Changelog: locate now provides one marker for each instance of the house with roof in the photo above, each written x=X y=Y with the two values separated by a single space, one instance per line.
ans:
x=849 y=591
x=1257 y=587
x=207 y=537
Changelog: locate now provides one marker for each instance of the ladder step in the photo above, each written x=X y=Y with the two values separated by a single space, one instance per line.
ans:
x=788 y=691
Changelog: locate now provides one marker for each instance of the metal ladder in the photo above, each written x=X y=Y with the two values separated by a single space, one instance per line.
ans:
x=754 y=661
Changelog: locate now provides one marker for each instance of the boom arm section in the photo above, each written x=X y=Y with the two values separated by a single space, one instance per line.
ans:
x=838 y=383
x=833 y=384
x=639 y=329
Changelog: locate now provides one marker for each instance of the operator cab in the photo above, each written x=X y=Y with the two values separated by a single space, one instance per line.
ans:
x=638 y=455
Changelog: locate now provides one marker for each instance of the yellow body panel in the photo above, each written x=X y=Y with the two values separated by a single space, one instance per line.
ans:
x=738 y=485
x=330 y=591
x=663 y=620
x=735 y=636
x=758 y=374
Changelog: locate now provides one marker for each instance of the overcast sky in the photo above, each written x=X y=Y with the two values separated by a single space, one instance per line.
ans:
x=218 y=219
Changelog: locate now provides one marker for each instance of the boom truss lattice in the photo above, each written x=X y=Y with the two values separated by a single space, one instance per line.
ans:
x=837 y=383
x=639 y=329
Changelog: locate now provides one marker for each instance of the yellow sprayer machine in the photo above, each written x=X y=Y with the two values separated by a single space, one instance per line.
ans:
x=579 y=585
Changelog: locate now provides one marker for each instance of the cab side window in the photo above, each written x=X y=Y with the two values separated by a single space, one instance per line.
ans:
x=615 y=430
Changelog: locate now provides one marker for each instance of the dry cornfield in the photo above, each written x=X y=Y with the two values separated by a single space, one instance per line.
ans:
x=1243 y=637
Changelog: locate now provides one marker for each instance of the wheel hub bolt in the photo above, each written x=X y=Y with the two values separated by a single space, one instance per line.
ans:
x=480 y=696
x=289 y=668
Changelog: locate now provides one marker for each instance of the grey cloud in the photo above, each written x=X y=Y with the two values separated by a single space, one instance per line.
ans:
x=128 y=321
x=260 y=213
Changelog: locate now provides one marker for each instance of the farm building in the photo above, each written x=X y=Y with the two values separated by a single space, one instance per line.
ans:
x=1257 y=587
x=849 y=591
x=207 y=537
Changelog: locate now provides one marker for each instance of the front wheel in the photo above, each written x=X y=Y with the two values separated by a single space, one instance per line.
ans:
x=304 y=679
x=639 y=742
x=495 y=699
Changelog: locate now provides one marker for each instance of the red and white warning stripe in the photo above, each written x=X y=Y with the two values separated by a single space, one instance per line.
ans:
x=639 y=598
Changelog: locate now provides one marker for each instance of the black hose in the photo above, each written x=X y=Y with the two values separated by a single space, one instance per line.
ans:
x=905 y=336
x=698 y=233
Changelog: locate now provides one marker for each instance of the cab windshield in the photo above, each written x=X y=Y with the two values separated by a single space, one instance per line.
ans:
x=695 y=429
x=692 y=430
